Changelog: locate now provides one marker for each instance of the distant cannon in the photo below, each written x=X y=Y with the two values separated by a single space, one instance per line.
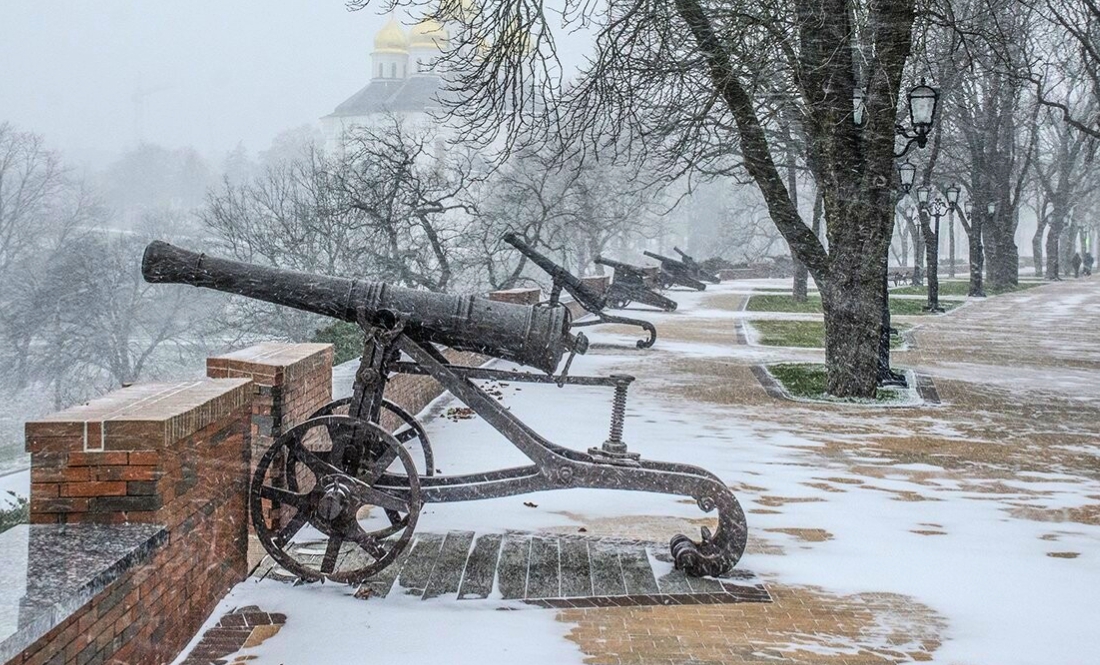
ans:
x=594 y=303
x=629 y=285
x=337 y=496
x=700 y=272
x=675 y=273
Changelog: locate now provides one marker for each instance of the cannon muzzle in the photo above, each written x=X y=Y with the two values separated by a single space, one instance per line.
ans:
x=533 y=336
x=588 y=298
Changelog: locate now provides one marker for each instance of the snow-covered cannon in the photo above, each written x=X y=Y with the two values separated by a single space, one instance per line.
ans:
x=674 y=272
x=594 y=303
x=629 y=286
x=691 y=263
x=338 y=495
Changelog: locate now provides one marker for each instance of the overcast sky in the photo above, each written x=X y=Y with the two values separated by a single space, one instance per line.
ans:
x=217 y=72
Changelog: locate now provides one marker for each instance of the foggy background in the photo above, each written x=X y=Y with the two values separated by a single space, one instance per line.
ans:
x=97 y=78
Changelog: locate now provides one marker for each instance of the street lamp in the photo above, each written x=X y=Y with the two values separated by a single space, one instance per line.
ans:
x=923 y=100
x=936 y=209
x=952 y=193
x=923 y=193
x=908 y=174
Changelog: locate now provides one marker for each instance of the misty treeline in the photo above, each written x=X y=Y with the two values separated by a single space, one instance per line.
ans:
x=763 y=93
x=397 y=204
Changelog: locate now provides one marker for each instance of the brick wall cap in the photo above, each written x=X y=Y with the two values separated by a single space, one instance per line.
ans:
x=276 y=354
x=168 y=411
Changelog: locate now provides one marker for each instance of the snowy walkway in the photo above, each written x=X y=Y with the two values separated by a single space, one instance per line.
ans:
x=962 y=533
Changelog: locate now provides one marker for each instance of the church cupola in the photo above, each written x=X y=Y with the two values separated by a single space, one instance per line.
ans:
x=390 y=59
x=428 y=40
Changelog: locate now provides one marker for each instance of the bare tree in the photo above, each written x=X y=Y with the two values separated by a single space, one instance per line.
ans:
x=391 y=207
x=692 y=75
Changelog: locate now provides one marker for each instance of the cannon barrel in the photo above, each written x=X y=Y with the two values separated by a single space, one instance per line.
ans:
x=591 y=300
x=683 y=256
x=619 y=265
x=533 y=336
x=662 y=259
x=688 y=266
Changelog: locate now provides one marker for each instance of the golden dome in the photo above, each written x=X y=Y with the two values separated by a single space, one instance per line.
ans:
x=429 y=34
x=391 y=38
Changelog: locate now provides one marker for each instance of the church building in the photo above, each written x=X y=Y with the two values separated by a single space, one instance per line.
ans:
x=405 y=81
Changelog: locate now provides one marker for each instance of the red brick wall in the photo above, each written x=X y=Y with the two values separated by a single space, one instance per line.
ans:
x=523 y=296
x=179 y=459
x=290 y=382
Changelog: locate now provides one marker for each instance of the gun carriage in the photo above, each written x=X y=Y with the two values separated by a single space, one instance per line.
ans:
x=338 y=496
x=629 y=286
x=592 y=302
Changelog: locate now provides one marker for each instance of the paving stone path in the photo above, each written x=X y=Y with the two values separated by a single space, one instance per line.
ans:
x=547 y=570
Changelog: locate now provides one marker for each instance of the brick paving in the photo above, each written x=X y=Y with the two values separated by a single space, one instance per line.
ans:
x=992 y=363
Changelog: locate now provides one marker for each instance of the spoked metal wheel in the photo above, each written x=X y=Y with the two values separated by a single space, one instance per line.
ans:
x=313 y=505
x=409 y=432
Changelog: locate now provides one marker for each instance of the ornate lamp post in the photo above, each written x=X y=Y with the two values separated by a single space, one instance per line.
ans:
x=923 y=101
x=952 y=202
x=936 y=208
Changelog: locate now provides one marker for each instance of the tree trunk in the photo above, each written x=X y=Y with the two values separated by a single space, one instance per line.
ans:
x=918 y=253
x=1037 y=248
x=1002 y=255
x=977 y=264
x=801 y=274
x=1053 y=253
x=853 y=325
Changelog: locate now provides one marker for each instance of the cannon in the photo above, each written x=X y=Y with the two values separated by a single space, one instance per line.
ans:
x=337 y=496
x=700 y=272
x=674 y=272
x=630 y=285
x=594 y=303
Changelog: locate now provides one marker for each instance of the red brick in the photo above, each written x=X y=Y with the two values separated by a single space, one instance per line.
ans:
x=94 y=488
x=98 y=459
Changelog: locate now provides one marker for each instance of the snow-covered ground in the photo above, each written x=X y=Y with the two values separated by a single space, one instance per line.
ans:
x=1009 y=587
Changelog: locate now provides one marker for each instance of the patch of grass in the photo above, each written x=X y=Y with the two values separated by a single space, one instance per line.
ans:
x=912 y=307
x=783 y=302
x=807 y=381
x=804 y=334
x=346 y=337
x=960 y=288
x=786 y=303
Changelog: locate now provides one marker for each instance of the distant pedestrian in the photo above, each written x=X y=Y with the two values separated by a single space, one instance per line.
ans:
x=1076 y=263
x=1088 y=261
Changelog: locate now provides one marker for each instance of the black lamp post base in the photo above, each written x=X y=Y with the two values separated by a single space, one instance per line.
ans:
x=890 y=378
